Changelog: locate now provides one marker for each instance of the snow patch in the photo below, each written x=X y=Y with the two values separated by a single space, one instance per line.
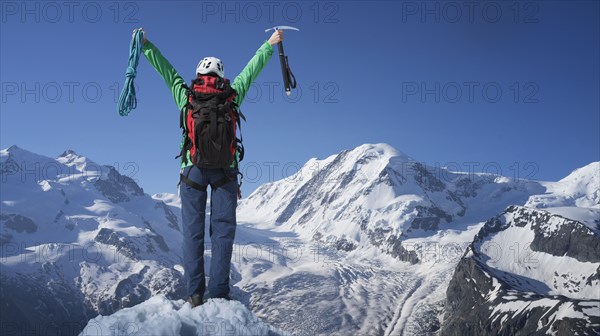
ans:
x=160 y=316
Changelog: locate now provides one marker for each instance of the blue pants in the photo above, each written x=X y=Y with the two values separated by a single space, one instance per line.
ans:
x=222 y=230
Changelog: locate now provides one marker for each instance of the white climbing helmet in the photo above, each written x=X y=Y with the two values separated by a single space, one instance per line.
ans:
x=210 y=64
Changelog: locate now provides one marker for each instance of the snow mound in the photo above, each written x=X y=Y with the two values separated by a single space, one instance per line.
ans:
x=161 y=316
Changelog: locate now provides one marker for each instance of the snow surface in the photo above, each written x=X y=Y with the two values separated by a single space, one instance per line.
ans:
x=161 y=316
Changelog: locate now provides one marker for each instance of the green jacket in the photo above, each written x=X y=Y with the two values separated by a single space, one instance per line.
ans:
x=241 y=83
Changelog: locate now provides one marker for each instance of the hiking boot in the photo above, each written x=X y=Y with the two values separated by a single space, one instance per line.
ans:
x=195 y=300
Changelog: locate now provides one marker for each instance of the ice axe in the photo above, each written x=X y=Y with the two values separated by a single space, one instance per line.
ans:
x=289 y=81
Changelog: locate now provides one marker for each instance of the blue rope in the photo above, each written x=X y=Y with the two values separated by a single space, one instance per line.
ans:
x=127 y=100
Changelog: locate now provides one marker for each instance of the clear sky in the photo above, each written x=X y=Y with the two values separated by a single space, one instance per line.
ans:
x=480 y=85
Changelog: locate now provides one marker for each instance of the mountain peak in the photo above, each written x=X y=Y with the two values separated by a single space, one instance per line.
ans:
x=21 y=155
x=70 y=158
x=14 y=149
x=68 y=152
x=376 y=155
x=380 y=149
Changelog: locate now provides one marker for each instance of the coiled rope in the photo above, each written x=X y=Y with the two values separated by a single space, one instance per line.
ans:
x=127 y=100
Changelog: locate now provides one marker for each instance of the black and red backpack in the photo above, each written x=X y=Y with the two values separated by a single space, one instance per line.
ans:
x=210 y=121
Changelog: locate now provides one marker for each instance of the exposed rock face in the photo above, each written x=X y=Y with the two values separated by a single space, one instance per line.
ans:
x=551 y=288
x=169 y=215
x=429 y=218
x=18 y=223
x=118 y=188
x=120 y=242
x=58 y=310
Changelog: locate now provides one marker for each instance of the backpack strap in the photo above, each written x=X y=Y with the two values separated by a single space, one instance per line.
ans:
x=192 y=184
x=185 y=179
x=226 y=179
x=183 y=111
x=187 y=143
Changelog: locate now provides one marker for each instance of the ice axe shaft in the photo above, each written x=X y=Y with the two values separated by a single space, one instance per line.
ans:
x=284 y=68
x=289 y=81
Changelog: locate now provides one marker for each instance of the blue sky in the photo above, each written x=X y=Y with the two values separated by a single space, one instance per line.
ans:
x=489 y=85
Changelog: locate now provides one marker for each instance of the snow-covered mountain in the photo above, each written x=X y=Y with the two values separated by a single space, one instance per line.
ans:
x=534 y=270
x=364 y=242
x=79 y=239
x=375 y=195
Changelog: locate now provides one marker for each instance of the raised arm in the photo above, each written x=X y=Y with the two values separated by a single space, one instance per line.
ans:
x=242 y=82
x=167 y=72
